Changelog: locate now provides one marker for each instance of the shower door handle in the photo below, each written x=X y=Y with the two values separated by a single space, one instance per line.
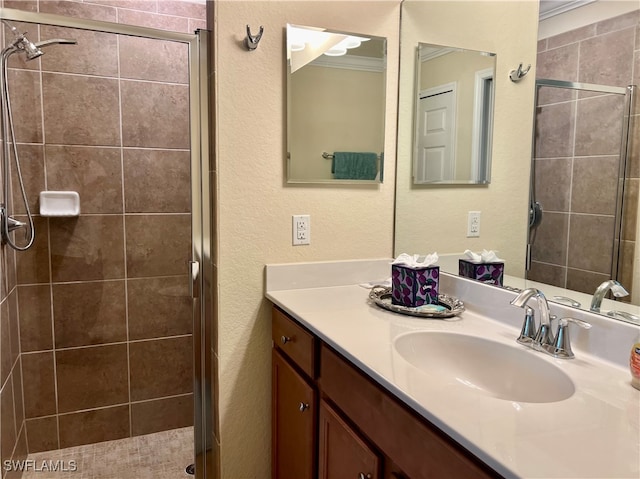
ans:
x=194 y=279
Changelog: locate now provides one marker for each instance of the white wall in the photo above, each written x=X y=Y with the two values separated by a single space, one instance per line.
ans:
x=435 y=218
x=255 y=205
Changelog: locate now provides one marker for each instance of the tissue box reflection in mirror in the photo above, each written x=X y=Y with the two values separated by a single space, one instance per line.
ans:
x=490 y=273
x=413 y=287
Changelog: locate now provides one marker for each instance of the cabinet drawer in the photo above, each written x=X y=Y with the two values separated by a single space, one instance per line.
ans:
x=342 y=453
x=296 y=343
x=418 y=448
x=293 y=425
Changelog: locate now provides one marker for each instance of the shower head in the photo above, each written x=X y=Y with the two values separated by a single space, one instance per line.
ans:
x=32 y=50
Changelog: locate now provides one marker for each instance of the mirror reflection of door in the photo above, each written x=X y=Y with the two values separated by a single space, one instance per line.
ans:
x=435 y=159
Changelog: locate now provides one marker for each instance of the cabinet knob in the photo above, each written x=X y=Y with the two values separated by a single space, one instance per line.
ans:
x=362 y=475
x=303 y=406
x=285 y=339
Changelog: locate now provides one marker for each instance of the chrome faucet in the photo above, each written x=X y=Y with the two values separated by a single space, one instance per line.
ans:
x=616 y=288
x=541 y=338
x=530 y=335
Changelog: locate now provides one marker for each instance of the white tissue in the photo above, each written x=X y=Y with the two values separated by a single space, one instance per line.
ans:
x=484 y=257
x=413 y=261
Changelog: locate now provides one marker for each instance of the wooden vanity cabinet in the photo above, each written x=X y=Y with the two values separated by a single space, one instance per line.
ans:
x=331 y=421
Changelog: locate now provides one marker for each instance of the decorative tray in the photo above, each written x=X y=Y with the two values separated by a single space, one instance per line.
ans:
x=381 y=296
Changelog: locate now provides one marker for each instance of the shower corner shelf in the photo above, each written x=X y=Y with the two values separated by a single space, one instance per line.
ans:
x=59 y=203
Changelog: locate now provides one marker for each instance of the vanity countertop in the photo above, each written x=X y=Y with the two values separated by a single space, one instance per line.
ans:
x=594 y=433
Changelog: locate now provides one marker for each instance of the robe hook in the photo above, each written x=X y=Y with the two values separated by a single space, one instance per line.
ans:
x=517 y=75
x=251 y=42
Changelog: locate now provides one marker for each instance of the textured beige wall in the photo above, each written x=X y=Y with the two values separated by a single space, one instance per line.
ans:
x=255 y=205
x=435 y=218
x=347 y=115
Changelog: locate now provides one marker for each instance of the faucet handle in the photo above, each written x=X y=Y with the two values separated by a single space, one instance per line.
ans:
x=528 y=332
x=562 y=344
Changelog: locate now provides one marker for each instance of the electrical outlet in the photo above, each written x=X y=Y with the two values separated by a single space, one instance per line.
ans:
x=473 y=224
x=301 y=229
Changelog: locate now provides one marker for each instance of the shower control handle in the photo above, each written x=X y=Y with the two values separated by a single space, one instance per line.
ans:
x=194 y=279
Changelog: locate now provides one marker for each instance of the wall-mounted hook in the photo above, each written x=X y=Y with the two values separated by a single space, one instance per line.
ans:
x=517 y=75
x=251 y=42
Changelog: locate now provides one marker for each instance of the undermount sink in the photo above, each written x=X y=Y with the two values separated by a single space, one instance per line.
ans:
x=485 y=366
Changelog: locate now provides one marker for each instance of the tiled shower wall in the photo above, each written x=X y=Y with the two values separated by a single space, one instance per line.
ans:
x=577 y=155
x=95 y=319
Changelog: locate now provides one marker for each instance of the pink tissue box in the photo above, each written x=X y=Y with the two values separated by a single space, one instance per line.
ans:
x=413 y=287
x=490 y=273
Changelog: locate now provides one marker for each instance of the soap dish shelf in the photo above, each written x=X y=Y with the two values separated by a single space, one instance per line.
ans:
x=381 y=296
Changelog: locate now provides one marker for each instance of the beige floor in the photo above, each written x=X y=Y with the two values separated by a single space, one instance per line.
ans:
x=163 y=455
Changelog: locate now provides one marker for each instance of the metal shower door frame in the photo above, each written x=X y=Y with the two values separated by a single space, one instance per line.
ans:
x=201 y=210
x=629 y=93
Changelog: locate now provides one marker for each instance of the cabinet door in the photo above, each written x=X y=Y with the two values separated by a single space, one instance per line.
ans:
x=293 y=427
x=343 y=455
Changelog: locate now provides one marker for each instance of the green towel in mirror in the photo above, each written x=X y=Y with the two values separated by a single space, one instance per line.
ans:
x=350 y=165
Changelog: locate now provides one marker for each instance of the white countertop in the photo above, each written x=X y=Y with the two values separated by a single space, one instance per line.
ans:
x=594 y=433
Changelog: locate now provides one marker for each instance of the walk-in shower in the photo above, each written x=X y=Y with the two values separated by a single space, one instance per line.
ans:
x=19 y=44
x=105 y=316
x=578 y=180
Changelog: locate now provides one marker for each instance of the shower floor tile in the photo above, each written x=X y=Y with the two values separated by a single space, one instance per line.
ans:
x=162 y=455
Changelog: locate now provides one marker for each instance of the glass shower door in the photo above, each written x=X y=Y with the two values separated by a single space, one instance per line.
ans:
x=578 y=181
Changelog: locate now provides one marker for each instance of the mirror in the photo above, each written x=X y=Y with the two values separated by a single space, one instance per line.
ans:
x=336 y=83
x=453 y=115
x=435 y=219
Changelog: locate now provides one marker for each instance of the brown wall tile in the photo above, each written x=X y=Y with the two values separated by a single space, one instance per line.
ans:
x=26 y=5
x=161 y=368
x=572 y=36
x=91 y=377
x=20 y=454
x=557 y=64
x=32 y=168
x=162 y=414
x=38 y=384
x=35 y=317
x=599 y=126
x=605 y=59
x=584 y=281
x=14 y=326
x=94 y=426
x=42 y=434
x=182 y=9
x=159 y=307
x=152 y=20
x=10 y=279
x=26 y=105
x=143 y=5
x=553 y=183
x=155 y=115
x=157 y=181
x=95 y=173
x=89 y=313
x=87 y=248
x=5 y=342
x=8 y=434
x=625 y=266
x=78 y=10
x=158 y=245
x=16 y=376
x=95 y=53
x=595 y=185
x=197 y=24
x=620 y=22
x=70 y=99
x=546 y=247
x=591 y=243
x=554 y=131
x=33 y=265
x=169 y=62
